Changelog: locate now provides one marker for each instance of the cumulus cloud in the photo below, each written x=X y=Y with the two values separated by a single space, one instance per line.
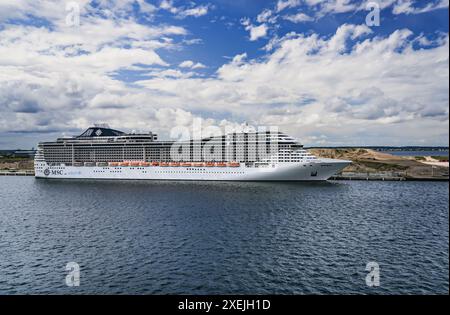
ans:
x=411 y=7
x=350 y=87
x=326 y=7
x=331 y=85
x=284 y=4
x=169 y=6
x=182 y=11
x=337 y=6
x=298 y=18
x=266 y=16
x=191 y=65
x=50 y=75
x=256 y=32
x=196 y=12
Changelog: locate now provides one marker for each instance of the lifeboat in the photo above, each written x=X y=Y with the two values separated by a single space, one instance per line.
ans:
x=144 y=164
x=221 y=164
x=113 y=164
x=234 y=164
x=155 y=163
x=124 y=164
x=199 y=164
x=174 y=164
x=210 y=164
x=186 y=164
x=164 y=164
x=134 y=163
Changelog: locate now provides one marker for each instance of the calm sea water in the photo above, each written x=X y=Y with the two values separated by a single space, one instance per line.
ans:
x=229 y=238
x=418 y=153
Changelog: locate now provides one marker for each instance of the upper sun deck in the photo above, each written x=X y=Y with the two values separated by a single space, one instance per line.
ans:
x=103 y=134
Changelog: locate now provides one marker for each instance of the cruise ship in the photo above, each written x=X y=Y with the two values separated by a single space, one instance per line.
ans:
x=104 y=153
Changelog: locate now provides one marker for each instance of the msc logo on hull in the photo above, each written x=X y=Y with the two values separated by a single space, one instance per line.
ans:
x=47 y=172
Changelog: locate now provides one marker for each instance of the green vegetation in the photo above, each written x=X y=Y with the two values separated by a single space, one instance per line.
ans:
x=377 y=166
x=420 y=158
x=440 y=158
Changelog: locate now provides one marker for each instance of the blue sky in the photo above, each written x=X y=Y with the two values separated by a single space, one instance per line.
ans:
x=314 y=68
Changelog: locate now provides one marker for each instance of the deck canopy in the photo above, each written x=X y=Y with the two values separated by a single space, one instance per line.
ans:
x=93 y=132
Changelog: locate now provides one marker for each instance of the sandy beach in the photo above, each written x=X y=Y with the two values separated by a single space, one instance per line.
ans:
x=430 y=161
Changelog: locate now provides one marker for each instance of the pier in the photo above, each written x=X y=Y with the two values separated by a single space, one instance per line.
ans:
x=339 y=177
x=17 y=173
x=388 y=176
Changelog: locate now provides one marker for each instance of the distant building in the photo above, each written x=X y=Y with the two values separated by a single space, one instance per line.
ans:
x=25 y=153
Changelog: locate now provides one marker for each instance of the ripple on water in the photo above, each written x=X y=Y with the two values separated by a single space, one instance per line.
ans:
x=200 y=238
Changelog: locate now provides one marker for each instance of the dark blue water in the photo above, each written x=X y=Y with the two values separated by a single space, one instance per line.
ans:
x=417 y=153
x=208 y=238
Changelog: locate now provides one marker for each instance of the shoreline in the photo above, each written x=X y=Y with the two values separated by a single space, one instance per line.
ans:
x=348 y=176
x=366 y=165
x=389 y=179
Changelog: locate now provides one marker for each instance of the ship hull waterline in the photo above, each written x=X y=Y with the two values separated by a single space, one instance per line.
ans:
x=317 y=171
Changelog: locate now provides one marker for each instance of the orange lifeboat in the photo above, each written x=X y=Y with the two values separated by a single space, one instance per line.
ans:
x=174 y=164
x=210 y=164
x=144 y=164
x=124 y=164
x=164 y=164
x=221 y=164
x=134 y=163
x=113 y=164
x=234 y=164
x=186 y=164
x=199 y=164
x=155 y=163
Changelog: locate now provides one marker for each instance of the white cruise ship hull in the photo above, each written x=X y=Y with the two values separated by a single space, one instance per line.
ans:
x=319 y=170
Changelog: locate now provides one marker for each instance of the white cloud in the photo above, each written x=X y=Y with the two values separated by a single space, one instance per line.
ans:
x=256 y=32
x=285 y=4
x=49 y=76
x=326 y=7
x=196 y=12
x=239 y=59
x=146 y=7
x=22 y=9
x=353 y=87
x=168 y=5
x=377 y=87
x=266 y=16
x=338 y=6
x=308 y=85
x=409 y=7
x=298 y=18
x=191 y=65
x=345 y=32
x=182 y=11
